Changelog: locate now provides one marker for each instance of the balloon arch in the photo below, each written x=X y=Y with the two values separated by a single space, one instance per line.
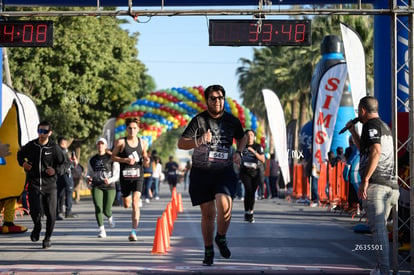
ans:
x=163 y=110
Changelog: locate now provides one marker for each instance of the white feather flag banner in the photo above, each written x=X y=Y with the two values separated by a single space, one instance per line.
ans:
x=355 y=60
x=328 y=99
x=277 y=126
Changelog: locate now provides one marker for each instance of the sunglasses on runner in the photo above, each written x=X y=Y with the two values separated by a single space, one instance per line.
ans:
x=43 y=131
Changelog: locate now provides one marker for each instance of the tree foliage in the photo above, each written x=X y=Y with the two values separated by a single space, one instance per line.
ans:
x=90 y=74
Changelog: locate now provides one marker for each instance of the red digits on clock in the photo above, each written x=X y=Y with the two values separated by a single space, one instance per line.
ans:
x=267 y=32
x=7 y=33
x=300 y=32
x=41 y=33
x=253 y=32
x=288 y=32
x=220 y=34
x=27 y=33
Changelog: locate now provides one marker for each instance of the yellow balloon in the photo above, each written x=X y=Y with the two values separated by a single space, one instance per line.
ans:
x=119 y=122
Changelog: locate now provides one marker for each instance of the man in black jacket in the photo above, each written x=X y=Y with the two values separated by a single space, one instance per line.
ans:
x=42 y=159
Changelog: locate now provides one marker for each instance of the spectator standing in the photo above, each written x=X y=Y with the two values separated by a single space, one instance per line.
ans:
x=65 y=184
x=77 y=175
x=42 y=159
x=171 y=169
x=379 y=185
x=250 y=173
x=340 y=154
x=266 y=174
x=313 y=181
x=187 y=175
x=148 y=181
x=274 y=172
x=103 y=173
x=156 y=175
x=213 y=180
x=131 y=153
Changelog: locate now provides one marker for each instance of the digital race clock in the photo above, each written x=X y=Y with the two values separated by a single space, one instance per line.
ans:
x=26 y=33
x=252 y=33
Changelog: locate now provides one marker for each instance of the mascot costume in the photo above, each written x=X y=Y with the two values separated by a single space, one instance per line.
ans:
x=19 y=120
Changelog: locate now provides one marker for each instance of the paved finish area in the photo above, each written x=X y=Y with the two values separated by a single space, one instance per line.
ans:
x=287 y=238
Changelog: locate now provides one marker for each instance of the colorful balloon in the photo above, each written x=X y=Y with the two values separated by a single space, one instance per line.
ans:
x=163 y=110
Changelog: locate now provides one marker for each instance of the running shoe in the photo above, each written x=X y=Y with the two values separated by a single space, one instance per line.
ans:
x=221 y=242
x=208 y=257
x=249 y=218
x=133 y=236
x=34 y=237
x=46 y=244
x=111 y=222
x=102 y=233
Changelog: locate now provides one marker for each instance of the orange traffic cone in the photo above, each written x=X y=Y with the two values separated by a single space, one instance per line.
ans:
x=170 y=218
x=158 y=246
x=174 y=193
x=165 y=231
x=180 y=203
x=174 y=208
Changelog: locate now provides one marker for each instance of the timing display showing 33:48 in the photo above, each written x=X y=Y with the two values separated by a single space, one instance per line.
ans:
x=260 y=33
x=26 y=33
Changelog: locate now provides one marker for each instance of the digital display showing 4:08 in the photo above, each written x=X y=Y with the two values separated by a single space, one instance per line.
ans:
x=268 y=33
x=26 y=33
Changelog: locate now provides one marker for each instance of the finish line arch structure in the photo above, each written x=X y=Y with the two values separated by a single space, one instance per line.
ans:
x=163 y=110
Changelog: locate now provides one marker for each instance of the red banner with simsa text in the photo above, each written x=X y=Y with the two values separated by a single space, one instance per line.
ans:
x=327 y=103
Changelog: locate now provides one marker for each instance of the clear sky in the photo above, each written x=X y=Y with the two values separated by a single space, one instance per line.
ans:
x=176 y=52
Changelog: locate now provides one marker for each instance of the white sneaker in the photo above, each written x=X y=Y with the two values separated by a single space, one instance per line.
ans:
x=111 y=222
x=102 y=233
x=140 y=203
x=147 y=200
x=157 y=198
x=314 y=204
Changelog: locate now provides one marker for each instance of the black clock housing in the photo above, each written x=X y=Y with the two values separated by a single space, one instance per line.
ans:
x=26 y=33
x=252 y=33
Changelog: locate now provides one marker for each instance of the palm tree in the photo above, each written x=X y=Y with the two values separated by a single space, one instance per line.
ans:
x=288 y=70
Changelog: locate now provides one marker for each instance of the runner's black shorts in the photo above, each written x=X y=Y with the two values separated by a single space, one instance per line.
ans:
x=205 y=184
x=129 y=186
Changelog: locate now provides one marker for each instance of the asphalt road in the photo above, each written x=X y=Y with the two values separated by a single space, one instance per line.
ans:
x=287 y=238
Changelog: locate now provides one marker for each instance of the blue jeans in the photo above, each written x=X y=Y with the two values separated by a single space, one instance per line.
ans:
x=380 y=200
x=155 y=183
x=147 y=185
x=314 y=189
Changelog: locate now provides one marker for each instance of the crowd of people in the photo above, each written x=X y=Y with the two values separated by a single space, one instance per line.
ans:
x=213 y=177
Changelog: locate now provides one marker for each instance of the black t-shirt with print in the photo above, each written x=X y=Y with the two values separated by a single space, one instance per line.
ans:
x=376 y=131
x=219 y=154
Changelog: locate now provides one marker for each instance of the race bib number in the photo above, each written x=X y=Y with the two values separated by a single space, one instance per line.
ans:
x=250 y=165
x=214 y=156
x=131 y=173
